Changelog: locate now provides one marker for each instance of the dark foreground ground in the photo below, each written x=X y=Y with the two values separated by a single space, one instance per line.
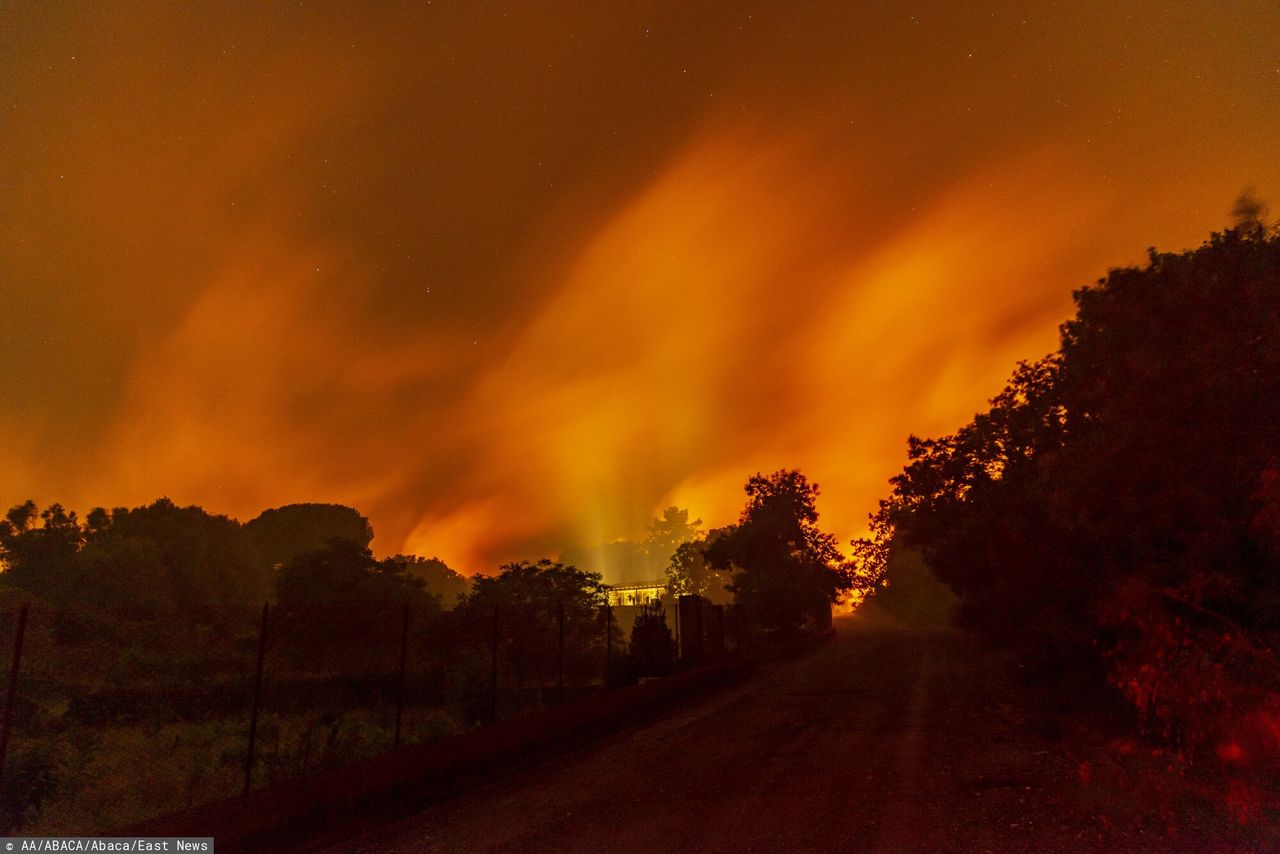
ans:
x=887 y=739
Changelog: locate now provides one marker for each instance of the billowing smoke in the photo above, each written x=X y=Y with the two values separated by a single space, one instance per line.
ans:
x=512 y=280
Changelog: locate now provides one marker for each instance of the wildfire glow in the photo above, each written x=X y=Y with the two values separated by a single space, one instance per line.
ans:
x=505 y=303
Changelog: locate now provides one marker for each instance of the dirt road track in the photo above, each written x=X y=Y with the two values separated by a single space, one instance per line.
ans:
x=885 y=740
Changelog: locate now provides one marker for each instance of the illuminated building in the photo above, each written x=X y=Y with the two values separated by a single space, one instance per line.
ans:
x=636 y=593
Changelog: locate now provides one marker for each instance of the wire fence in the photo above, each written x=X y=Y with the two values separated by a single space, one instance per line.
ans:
x=107 y=722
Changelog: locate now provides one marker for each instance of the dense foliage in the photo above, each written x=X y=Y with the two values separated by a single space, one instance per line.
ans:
x=1114 y=514
x=160 y=557
x=652 y=649
x=523 y=605
x=142 y=648
x=786 y=571
x=437 y=578
x=284 y=533
x=689 y=572
x=337 y=602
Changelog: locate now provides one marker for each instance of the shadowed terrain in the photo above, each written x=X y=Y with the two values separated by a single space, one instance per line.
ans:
x=886 y=739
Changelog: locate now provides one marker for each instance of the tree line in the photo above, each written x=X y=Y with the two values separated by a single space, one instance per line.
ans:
x=1115 y=515
x=314 y=559
x=161 y=558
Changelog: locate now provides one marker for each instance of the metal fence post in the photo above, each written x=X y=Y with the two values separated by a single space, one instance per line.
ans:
x=404 y=654
x=679 y=635
x=12 y=692
x=493 y=670
x=608 y=642
x=257 y=700
x=560 y=652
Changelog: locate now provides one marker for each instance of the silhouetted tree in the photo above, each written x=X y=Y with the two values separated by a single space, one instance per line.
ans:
x=1115 y=492
x=785 y=570
x=528 y=596
x=652 y=648
x=284 y=533
x=667 y=533
x=690 y=573
x=153 y=558
x=209 y=562
x=36 y=557
x=120 y=578
x=438 y=579
x=339 y=603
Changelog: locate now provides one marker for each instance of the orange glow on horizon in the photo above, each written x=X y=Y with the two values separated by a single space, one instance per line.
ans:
x=437 y=265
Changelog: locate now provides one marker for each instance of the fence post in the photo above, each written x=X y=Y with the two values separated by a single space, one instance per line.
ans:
x=702 y=629
x=404 y=653
x=560 y=652
x=680 y=636
x=257 y=700
x=608 y=642
x=493 y=670
x=12 y=692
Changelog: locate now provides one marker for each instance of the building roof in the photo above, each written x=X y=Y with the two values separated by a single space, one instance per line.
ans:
x=638 y=585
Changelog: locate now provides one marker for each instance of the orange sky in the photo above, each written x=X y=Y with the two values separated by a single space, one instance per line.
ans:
x=513 y=277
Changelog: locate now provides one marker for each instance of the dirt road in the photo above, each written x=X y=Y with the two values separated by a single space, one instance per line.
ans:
x=884 y=740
